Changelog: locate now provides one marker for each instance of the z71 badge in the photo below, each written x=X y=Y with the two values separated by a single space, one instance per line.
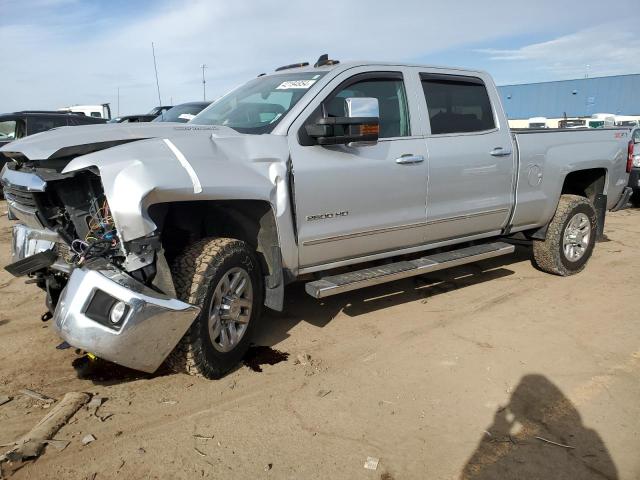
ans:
x=326 y=216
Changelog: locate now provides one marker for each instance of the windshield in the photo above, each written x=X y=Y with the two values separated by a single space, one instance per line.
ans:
x=158 y=110
x=257 y=106
x=181 y=113
x=537 y=125
x=8 y=130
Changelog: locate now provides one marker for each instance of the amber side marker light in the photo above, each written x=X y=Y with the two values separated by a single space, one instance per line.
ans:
x=369 y=129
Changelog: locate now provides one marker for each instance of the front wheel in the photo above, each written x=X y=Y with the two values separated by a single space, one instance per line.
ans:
x=222 y=276
x=570 y=237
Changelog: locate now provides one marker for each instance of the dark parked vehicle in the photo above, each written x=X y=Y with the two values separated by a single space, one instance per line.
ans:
x=155 y=111
x=21 y=124
x=133 y=119
x=182 y=113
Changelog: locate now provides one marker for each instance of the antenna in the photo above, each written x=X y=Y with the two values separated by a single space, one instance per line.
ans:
x=155 y=66
x=204 y=83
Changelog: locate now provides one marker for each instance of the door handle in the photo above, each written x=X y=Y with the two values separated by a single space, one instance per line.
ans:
x=408 y=159
x=500 y=152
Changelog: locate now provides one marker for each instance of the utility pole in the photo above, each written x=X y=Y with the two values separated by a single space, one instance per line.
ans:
x=204 y=83
x=118 y=102
x=155 y=66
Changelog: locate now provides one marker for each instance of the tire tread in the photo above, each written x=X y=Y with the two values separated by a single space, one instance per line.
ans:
x=546 y=253
x=193 y=272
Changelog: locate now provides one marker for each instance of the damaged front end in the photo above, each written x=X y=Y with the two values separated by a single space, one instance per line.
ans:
x=107 y=296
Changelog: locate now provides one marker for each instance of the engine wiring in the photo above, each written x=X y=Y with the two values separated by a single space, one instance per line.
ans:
x=101 y=237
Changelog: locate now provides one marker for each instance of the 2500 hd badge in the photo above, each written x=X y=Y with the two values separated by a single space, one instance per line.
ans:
x=326 y=216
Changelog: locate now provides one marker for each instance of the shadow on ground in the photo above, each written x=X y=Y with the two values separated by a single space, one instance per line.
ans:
x=518 y=443
x=300 y=307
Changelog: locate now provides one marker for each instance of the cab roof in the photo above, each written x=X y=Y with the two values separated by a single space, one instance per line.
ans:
x=304 y=67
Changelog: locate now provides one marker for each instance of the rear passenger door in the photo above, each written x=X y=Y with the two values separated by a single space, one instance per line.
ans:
x=471 y=157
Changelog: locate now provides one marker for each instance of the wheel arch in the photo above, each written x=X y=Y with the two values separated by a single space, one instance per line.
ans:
x=585 y=183
x=252 y=221
x=590 y=183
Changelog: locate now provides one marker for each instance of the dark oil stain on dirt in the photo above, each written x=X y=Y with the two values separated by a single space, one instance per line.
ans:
x=259 y=355
x=101 y=371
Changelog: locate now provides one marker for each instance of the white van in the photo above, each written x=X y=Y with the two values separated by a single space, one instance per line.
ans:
x=538 y=122
x=627 y=121
x=602 y=120
x=97 y=111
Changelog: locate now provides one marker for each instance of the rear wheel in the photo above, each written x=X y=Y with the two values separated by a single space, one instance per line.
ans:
x=222 y=276
x=570 y=237
x=635 y=198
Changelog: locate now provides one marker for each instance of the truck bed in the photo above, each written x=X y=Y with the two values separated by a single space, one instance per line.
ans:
x=546 y=155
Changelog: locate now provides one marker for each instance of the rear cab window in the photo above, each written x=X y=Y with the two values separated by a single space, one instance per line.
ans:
x=457 y=104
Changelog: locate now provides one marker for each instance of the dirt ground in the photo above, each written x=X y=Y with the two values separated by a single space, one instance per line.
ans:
x=469 y=373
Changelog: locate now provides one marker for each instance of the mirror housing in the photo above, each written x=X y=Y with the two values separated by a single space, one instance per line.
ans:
x=362 y=124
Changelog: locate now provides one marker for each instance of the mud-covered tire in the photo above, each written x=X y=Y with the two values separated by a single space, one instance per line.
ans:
x=196 y=273
x=549 y=254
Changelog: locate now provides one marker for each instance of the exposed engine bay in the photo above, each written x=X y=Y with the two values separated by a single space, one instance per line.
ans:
x=73 y=206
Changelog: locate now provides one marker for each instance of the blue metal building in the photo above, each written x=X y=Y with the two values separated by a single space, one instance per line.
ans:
x=583 y=97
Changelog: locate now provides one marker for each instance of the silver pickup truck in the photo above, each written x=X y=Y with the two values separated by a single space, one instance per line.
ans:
x=162 y=242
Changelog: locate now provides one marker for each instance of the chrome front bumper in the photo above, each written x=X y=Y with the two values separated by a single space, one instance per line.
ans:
x=153 y=325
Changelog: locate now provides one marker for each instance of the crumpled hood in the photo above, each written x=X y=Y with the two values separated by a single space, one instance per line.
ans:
x=81 y=140
x=146 y=164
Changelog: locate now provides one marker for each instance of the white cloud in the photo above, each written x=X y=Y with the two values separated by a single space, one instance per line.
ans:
x=58 y=54
x=607 y=49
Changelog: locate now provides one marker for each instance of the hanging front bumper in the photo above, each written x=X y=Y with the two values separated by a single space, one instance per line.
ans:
x=151 y=327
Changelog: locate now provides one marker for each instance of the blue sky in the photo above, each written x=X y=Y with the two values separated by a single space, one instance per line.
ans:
x=62 y=52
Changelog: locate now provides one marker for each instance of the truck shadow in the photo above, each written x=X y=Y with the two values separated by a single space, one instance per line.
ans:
x=518 y=444
x=300 y=307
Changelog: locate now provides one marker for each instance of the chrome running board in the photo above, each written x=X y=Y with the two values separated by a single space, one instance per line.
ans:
x=367 y=277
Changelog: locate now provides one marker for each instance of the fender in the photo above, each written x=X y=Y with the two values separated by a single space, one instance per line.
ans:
x=217 y=164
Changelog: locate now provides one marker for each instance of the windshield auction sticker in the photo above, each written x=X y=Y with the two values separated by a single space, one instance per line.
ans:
x=305 y=84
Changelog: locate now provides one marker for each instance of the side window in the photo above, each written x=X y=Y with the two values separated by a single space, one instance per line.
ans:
x=42 y=124
x=392 y=101
x=457 y=104
x=59 y=121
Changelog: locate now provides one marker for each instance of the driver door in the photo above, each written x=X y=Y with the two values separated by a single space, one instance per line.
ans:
x=356 y=201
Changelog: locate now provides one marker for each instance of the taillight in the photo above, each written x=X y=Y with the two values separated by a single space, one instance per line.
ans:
x=630 y=156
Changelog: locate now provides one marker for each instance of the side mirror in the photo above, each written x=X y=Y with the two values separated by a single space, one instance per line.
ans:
x=361 y=124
